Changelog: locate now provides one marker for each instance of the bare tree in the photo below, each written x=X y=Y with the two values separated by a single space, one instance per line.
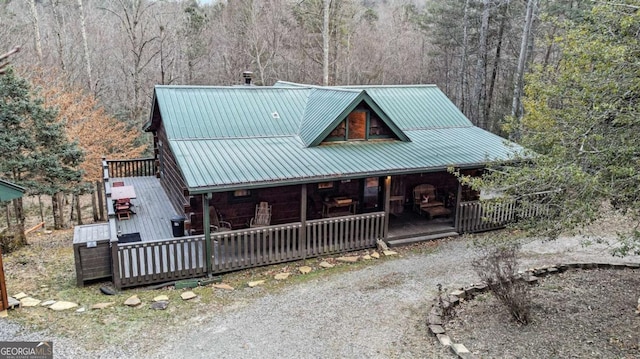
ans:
x=516 y=106
x=85 y=46
x=36 y=29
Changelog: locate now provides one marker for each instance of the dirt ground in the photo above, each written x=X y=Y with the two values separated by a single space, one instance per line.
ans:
x=575 y=314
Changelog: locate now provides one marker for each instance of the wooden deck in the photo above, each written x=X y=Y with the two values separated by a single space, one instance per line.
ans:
x=153 y=211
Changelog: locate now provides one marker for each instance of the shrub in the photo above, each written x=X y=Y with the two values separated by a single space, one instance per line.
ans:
x=498 y=268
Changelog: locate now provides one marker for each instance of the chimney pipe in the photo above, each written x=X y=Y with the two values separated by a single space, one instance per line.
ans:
x=247 y=77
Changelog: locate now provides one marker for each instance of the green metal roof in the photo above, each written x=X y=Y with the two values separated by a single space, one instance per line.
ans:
x=9 y=191
x=225 y=138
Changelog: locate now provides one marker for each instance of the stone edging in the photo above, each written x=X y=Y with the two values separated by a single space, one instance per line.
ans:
x=434 y=319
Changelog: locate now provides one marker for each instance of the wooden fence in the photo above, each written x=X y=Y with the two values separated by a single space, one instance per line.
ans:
x=150 y=262
x=131 y=168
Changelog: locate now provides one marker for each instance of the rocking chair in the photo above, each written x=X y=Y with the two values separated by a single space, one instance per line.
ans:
x=215 y=221
x=263 y=215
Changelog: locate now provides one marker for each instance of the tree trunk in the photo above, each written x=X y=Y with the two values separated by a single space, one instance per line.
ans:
x=57 y=203
x=516 y=105
x=36 y=30
x=479 y=90
x=100 y=195
x=40 y=206
x=8 y=212
x=78 y=209
x=85 y=45
x=496 y=63
x=325 y=43
x=463 y=60
x=58 y=30
x=19 y=237
x=94 y=206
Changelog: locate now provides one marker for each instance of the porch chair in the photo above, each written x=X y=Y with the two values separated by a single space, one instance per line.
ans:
x=425 y=201
x=215 y=221
x=123 y=208
x=263 y=215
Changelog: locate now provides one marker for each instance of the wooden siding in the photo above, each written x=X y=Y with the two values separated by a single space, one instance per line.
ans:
x=170 y=176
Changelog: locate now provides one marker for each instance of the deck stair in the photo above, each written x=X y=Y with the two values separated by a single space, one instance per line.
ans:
x=420 y=238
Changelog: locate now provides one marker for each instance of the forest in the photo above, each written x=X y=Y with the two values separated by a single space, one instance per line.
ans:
x=506 y=64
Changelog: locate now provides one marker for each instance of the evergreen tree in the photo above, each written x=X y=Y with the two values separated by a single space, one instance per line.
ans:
x=34 y=150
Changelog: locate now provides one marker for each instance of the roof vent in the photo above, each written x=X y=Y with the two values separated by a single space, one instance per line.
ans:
x=247 y=77
x=275 y=115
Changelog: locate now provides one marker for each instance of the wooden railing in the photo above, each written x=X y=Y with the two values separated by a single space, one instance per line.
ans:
x=342 y=234
x=138 y=167
x=149 y=262
x=254 y=247
x=478 y=216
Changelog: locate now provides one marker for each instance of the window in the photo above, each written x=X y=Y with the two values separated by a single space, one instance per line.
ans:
x=325 y=185
x=241 y=193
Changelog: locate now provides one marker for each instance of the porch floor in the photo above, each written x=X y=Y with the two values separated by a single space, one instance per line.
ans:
x=410 y=224
x=153 y=210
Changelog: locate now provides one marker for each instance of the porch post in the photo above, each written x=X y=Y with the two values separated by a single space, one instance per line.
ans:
x=207 y=229
x=303 y=219
x=387 y=202
x=458 y=199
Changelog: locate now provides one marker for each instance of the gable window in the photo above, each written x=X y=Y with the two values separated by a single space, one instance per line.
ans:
x=353 y=128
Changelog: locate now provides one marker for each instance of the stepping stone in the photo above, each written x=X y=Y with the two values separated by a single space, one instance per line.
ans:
x=255 y=283
x=13 y=303
x=160 y=305
x=80 y=310
x=62 y=305
x=102 y=305
x=223 y=286
x=188 y=295
x=326 y=265
x=375 y=255
x=436 y=329
x=305 y=269
x=282 y=276
x=133 y=301
x=162 y=297
x=47 y=303
x=107 y=291
x=4 y=314
x=350 y=259
x=444 y=339
x=20 y=295
x=366 y=257
x=29 y=302
x=390 y=253
x=459 y=348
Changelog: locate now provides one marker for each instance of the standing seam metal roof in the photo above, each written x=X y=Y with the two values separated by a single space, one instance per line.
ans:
x=228 y=137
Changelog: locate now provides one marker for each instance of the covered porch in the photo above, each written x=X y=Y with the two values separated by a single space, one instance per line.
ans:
x=145 y=248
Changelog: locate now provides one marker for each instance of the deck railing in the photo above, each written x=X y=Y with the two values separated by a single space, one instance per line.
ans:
x=143 y=263
x=160 y=261
x=138 y=167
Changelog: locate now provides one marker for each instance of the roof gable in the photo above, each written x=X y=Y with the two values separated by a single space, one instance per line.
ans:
x=328 y=107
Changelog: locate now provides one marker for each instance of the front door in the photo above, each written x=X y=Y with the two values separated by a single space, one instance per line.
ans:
x=371 y=194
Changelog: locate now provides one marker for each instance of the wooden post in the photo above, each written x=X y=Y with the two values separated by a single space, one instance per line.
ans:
x=4 y=301
x=303 y=220
x=387 y=202
x=207 y=229
x=458 y=200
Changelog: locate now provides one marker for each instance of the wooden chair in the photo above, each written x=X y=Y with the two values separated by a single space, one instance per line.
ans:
x=263 y=215
x=216 y=223
x=123 y=210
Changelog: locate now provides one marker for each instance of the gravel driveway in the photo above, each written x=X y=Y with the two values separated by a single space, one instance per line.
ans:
x=374 y=312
